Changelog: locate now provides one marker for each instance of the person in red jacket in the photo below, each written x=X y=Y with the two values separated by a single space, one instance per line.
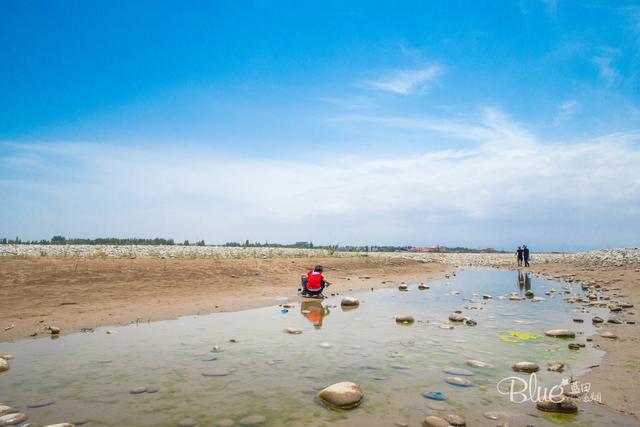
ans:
x=314 y=282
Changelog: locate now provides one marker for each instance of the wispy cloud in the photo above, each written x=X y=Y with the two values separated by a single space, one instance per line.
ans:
x=407 y=82
x=508 y=186
x=566 y=111
x=607 y=71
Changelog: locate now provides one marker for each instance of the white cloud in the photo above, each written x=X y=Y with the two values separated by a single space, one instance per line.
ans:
x=508 y=187
x=407 y=82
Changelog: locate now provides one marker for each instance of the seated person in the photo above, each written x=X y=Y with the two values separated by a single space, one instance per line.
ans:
x=314 y=283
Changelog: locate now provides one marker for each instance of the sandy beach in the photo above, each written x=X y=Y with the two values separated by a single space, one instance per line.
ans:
x=86 y=291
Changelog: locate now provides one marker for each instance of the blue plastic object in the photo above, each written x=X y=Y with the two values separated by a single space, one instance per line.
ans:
x=435 y=395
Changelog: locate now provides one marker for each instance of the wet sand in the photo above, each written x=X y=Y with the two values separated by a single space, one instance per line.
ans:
x=76 y=293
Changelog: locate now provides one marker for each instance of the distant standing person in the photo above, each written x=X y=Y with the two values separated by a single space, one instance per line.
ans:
x=525 y=254
x=519 y=255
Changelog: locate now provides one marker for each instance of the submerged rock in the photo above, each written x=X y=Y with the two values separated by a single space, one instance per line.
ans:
x=350 y=302
x=456 y=317
x=433 y=421
x=187 y=422
x=478 y=364
x=5 y=409
x=423 y=287
x=597 y=319
x=11 y=419
x=403 y=287
x=458 y=381
x=609 y=335
x=560 y=333
x=344 y=395
x=525 y=367
x=555 y=367
x=138 y=390
x=252 y=420
x=227 y=422
x=405 y=319
x=4 y=365
x=567 y=406
x=293 y=331
x=221 y=373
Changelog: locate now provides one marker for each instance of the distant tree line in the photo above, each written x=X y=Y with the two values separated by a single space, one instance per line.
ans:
x=61 y=240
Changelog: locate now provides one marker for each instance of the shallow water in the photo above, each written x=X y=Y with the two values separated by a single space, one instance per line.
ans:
x=278 y=375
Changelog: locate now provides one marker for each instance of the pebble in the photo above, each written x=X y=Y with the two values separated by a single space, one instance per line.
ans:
x=227 y=422
x=525 y=367
x=458 y=371
x=560 y=333
x=216 y=373
x=609 y=335
x=455 y=420
x=293 y=331
x=138 y=390
x=11 y=419
x=405 y=319
x=187 y=422
x=458 y=381
x=555 y=367
x=567 y=406
x=350 y=302
x=435 y=395
x=456 y=317
x=343 y=395
x=433 y=421
x=597 y=319
x=252 y=420
x=478 y=364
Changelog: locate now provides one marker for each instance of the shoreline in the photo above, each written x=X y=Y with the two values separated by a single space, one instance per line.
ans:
x=87 y=292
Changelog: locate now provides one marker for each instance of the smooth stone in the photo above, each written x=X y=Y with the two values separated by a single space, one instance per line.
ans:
x=350 y=301
x=478 y=364
x=423 y=287
x=216 y=373
x=455 y=317
x=435 y=395
x=11 y=419
x=455 y=420
x=458 y=371
x=252 y=420
x=293 y=331
x=458 y=381
x=325 y=345
x=597 y=319
x=41 y=404
x=6 y=357
x=4 y=365
x=138 y=390
x=343 y=395
x=609 y=335
x=405 y=319
x=187 y=422
x=446 y=326
x=5 y=409
x=565 y=407
x=403 y=287
x=433 y=421
x=560 y=333
x=227 y=422
x=216 y=349
x=436 y=406
x=525 y=367
x=555 y=367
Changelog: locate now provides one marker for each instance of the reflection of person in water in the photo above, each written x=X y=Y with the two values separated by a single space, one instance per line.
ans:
x=524 y=282
x=314 y=311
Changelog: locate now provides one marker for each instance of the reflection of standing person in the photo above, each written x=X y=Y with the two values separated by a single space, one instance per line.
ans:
x=521 y=280
x=519 y=255
x=525 y=254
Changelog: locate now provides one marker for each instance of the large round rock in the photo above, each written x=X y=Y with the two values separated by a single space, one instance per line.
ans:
x=4 y=365
x=405 y=319
x=344 y=395
x=11 y=419
x=560 y=333
x=456 y=317
x=567 y=406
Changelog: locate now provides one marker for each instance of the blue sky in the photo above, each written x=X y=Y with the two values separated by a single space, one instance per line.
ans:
x=455 y=123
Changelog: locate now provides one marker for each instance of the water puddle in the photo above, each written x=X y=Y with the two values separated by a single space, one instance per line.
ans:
x=234 y=365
